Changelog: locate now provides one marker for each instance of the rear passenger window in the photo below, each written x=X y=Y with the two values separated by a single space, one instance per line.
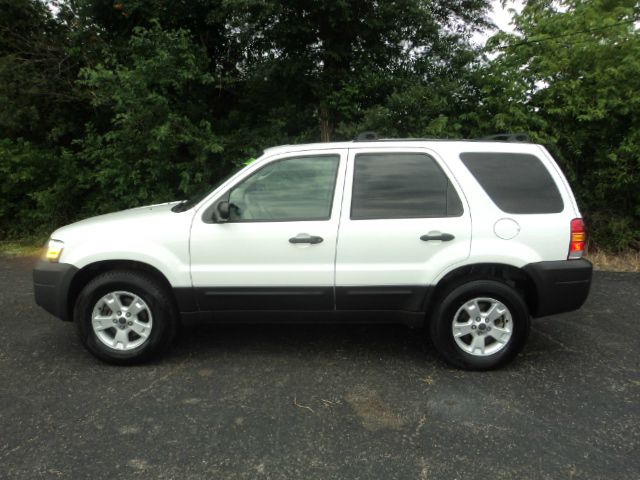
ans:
x=516 y=182
x=401 y=185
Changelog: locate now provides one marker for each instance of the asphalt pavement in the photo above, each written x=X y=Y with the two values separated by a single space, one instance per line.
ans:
x=322 y=402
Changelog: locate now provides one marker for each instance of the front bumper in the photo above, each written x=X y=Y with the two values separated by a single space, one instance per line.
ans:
x=51 y=283
x=562 y=286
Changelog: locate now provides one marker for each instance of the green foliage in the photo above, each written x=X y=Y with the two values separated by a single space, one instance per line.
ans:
x=332 y=61
x=39 y=99
x=571 y=77
x=613 y=231
x=157 y=142
x=109 y=105
x=22 y=167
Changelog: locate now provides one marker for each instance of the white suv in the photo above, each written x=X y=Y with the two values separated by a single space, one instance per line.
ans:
x=469 y=238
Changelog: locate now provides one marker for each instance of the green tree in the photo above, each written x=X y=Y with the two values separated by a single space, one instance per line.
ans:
x=570 y=75
x=39 y=99
x=150 y=138
x=42 y=109
x=333 y=60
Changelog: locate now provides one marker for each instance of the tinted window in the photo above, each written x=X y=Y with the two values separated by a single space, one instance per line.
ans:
x=516 y=182
x=401 y=185
x=293 y=189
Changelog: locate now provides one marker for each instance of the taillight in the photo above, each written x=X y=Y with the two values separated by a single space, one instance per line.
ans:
x=578 y=243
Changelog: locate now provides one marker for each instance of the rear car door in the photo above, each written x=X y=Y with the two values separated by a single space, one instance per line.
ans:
x=404 y=220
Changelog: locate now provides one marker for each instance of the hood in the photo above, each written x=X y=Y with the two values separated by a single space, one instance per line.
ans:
x=129 y=221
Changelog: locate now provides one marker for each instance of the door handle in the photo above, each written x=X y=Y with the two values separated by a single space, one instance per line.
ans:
x=445 y=237
x=304 y=238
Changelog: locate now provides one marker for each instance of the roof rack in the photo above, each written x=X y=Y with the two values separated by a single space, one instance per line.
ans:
x=499 y=137
x=366 y=137
x=509 y=137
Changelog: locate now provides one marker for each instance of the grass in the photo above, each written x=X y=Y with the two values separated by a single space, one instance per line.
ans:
x=621 y=262
x=19 y=249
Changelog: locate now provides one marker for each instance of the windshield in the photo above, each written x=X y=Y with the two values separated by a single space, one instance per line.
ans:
x=202 y=193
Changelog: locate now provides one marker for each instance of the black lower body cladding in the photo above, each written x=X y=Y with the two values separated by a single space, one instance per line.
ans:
x=51 y=283
x=562 y=286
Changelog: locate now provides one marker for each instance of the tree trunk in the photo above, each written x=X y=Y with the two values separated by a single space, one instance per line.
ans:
x=326 y=124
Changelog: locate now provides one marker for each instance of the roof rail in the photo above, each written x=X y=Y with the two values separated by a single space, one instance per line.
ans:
x=366 y=137
x=509 y=137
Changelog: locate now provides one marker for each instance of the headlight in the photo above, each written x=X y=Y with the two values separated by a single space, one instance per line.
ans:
x=54 y=249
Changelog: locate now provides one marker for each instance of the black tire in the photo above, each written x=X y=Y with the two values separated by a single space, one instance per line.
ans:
x=159 y=301
x=440 y=327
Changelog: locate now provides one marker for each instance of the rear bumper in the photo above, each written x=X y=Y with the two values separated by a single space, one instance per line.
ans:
x=561 y=286
x=51 y=282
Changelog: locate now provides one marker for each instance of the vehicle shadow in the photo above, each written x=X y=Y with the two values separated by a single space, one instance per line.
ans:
x=302 y=340
x=360 y=343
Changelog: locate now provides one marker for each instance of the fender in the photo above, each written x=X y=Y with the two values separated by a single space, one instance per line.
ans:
x=172 y=263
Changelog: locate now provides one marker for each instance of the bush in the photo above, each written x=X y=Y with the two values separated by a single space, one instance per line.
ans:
x=612 y=233
x=157 y=142
x=28 y=173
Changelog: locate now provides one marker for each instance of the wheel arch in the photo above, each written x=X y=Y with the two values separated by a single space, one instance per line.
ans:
x=92 y=270
x=515 y=277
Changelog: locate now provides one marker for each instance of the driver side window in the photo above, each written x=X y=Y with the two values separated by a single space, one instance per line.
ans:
x=298 y=188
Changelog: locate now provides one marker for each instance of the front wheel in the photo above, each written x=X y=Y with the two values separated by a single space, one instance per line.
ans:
x=125 y=317
x=480 y=325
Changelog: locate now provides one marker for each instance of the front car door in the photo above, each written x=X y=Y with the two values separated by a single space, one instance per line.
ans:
x=277 y=249
x=403 y=222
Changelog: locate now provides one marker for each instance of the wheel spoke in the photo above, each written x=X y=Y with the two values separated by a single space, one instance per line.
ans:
x=496 y=311
x=477 y=344
x=500 y=334
x=462 y=329
x=136 y=306
x=113 y=302
x=121 y=338
x=102 y=322
x=472 y=308
x=140 y=328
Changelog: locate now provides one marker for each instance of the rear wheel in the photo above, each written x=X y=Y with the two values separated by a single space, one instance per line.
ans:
x=480 y=325
x=125 y=317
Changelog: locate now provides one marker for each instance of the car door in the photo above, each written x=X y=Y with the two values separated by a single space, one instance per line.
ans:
x=277 y=249
x=403 y=221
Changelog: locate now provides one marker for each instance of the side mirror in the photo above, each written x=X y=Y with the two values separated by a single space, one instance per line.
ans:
x=222 y=211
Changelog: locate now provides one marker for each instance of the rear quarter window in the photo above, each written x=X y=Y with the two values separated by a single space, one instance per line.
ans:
x=515 y=182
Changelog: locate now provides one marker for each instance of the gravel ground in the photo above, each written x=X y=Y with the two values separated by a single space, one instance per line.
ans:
x=322 y=402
